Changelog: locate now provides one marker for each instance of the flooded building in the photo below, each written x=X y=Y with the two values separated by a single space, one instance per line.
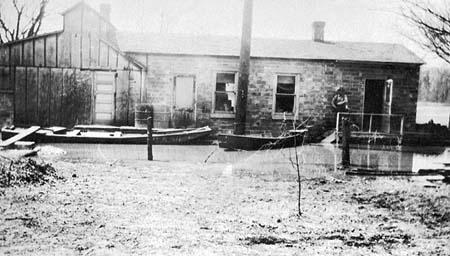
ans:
x=192 y=80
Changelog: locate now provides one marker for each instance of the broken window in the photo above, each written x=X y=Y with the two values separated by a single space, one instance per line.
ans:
x=285 y=94
x=225 y=92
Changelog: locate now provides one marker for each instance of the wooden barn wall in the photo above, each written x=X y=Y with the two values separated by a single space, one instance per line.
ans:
x=61 y=96
x=48 y=80
x=67 y=50
x=52 y=96
x=6 y=96
x=128 y=93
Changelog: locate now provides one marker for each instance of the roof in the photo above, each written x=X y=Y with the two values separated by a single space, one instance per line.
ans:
x=265 y=48
x=48 y=34
x=83 y=4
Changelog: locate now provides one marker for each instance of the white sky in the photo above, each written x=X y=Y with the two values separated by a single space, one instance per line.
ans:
x=346 y=20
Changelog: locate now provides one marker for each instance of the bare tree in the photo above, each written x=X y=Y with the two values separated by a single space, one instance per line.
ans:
x=21 y=19
x=432 y=24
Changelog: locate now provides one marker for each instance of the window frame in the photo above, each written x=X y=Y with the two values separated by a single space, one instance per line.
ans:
x=219 y=113
x=283 y=115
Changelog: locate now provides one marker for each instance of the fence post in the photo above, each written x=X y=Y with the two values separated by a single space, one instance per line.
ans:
x=337 y=129
x=345 y=142
x=401 y=125
x=150 y=137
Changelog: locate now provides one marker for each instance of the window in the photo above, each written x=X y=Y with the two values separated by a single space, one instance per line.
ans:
x=285 y=94
x=225 y=92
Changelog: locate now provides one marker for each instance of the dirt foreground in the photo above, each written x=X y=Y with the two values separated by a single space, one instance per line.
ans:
x=179 y=208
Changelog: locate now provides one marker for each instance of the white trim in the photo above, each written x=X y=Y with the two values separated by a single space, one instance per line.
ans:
x=391 y=91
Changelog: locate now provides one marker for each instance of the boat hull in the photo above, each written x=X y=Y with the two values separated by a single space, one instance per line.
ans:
x=246 y=142
x=173 y=138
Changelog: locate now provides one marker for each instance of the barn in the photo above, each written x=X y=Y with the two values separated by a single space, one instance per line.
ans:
x=74 y=76
x=96 y=74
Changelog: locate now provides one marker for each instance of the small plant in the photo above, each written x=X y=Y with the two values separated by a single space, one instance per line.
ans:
x=295 y=160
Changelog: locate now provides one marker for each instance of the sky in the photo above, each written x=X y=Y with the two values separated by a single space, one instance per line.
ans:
x=346 y=20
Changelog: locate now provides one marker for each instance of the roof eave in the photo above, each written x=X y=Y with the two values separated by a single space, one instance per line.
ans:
x=33 y=37
x=284 y=58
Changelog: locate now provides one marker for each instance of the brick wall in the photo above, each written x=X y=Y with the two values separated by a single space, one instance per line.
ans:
x=317 y=83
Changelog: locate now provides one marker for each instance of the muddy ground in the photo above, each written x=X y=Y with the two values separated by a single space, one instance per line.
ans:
x=183 y=208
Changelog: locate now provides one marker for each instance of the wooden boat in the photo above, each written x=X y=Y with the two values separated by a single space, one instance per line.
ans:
x=77 y=136
x=255 y=142
x=128 y=129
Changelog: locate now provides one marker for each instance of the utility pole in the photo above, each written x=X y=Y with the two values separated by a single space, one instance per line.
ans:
x=244 y=69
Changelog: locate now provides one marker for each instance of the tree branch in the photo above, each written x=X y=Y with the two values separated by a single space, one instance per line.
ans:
x=19 y=11
x=433 y=26
x=26 y=20
x=6 y=30
x=37 y=21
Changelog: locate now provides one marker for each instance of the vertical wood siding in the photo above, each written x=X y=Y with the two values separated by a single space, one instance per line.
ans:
x=54 y=84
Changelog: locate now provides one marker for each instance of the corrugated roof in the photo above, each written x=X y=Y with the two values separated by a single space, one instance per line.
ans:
x=266 y=48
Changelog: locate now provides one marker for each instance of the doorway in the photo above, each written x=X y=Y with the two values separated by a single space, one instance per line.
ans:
x=373 y=104
x=184 y=101
x=104 y=98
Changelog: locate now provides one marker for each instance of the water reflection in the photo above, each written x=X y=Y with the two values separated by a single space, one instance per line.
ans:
x=400 y=159
x=326 y=155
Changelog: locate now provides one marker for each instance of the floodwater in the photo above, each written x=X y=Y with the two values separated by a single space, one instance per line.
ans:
x=379 y=157
x=438 y=112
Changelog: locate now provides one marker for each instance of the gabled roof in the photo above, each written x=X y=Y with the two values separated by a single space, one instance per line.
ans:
x=83 y=4
x=266 y=48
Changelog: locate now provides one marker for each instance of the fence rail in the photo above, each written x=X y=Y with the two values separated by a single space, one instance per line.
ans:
x=372 y=123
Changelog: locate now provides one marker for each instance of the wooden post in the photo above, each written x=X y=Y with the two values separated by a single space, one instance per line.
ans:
x=338 y=117
x=401 y=125
x=150 y=137
x=244 y=69
x=345 y=142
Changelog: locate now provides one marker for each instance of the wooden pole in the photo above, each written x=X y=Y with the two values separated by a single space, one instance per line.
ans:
x=244 y=68
x=448 y=122
x=345 y=142
x=150 y=137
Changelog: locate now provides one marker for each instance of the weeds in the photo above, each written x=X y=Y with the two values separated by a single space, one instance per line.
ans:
x=26 y=171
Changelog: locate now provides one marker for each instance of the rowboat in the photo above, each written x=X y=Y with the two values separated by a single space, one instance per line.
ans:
x=52 y=135
x=128 y=129
x=257 y=142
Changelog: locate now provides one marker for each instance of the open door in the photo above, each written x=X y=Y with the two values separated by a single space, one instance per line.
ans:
x=373 y=104
x=184 y=102
x=378 y=100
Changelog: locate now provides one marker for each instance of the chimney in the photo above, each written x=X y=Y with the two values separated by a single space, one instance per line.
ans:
x=105 y=11
x=318 y=31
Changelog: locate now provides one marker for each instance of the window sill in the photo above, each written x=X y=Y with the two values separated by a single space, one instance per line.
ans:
x=281 y=116
x=222 y=115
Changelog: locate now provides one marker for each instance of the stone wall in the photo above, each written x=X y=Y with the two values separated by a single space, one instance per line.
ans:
x=317 y=81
